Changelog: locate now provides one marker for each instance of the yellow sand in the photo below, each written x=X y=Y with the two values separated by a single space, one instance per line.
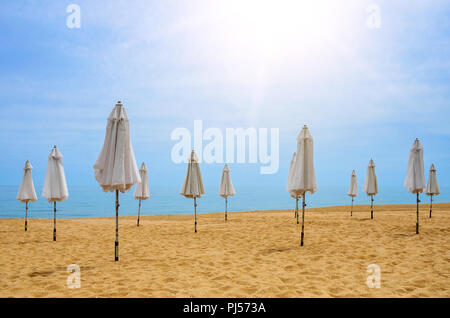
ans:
x=254 y=254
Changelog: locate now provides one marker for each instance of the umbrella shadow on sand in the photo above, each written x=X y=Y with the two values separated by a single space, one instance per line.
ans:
x=49 y=272
x=42 y=273
x=404 y=235
x=28 y=242
x=363 y=219
x=276 y=250
x=176 y=233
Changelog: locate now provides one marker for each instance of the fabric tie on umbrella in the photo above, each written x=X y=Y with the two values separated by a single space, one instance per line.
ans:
x=415 y=174
x=26 y=190
x=142 y=190
x=353 y=190
x=193 y=185
x=226 y=188
x=432 y=186
x=303 y=175
x=295 y=196
x=116 y=168
x=55 y=186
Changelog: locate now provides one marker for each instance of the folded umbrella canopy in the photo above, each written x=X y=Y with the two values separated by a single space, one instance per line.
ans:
x=289 y=182
x=193 y=184
x=142 y=192
x=371 y=184
x=415 y=174
x=26 y=190
x=115 y=168
x=303 y=176
x=226 y=188
x=353 y=190
x=432 y=186
x=55 y=186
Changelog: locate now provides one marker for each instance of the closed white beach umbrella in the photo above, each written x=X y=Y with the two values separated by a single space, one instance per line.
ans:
x=432 y=186
x=226 y=188
x=55 y=186
x=193 y=185
x=353 y=190
x=26 y=190
x=371 y=184
x=415 y=174
x=289 y=182
x=303 y=176
x=142 y=191
x=291 y=172
x=115 y=168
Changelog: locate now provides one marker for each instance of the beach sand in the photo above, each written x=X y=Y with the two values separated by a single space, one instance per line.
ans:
x=254 y=254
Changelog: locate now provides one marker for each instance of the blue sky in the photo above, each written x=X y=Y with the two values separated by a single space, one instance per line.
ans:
x=364 y=93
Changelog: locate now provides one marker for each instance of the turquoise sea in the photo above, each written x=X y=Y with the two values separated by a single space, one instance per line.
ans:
x=91 y=201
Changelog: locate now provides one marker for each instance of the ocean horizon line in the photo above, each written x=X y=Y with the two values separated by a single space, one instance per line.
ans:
x=243 y=211
x=91 y=201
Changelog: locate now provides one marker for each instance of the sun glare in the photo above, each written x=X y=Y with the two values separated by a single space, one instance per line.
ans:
x=271 y=27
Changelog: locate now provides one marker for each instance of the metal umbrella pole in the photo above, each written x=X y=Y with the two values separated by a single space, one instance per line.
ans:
x=371 y=207
x=139 y=212
x=351 y=210
x=54 y=220
x=226 y=209
x=431 y=204
x=417 y=222
x=116 y=244
x=26 y=215
x=296 y=207
x=195 y=214
x=303 y=219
